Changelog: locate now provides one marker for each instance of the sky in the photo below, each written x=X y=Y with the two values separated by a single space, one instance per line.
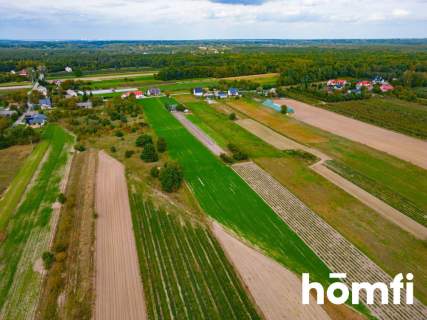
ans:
x=211 y=19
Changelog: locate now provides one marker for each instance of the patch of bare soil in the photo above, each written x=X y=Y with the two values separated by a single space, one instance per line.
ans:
x=276 y=290
x=399 y=145
x=119 y=292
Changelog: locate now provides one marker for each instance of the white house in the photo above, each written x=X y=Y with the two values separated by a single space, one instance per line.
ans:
x=68 y=69
x=233 y=92
x=70 y=94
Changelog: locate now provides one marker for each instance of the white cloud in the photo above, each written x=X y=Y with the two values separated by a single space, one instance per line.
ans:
x=196 y=18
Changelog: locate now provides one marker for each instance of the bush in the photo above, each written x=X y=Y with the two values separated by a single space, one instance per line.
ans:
x=232 y=116
x=149 y=153
x=61 y=198
x=284 y=109
x=171 y=177
x=48 y=259
x=154 y=172
x=129 y=153
x=79 y=147
x=238 y=154
x=113 y=149
x=161 y=145
x=226 y=158
x=180 y=108
x=119 y=134
x=143 y=139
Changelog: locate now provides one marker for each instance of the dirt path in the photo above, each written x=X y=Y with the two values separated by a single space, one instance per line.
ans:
x=393 y=143
x=282 y=143
x=199 y=134
x=119 y=292
x=336 y=252
x=276 y=290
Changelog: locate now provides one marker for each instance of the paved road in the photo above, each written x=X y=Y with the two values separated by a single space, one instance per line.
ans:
x=396 y=144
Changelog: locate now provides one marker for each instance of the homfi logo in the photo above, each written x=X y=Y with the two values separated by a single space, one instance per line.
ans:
x=338 y=292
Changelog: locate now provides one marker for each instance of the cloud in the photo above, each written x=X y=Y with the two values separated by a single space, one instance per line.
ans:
x=188 y=19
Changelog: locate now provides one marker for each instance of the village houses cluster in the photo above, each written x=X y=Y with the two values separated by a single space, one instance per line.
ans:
x=340 y=84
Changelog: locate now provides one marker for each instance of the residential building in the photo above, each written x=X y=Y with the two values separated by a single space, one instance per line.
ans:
x=85 y=105
x=364 y=84
x=198 y=92
x=36 y=120
x=386 y=87
x=153 y=92
x=138 y=94
x=68 y=69
x=233 y=92
x=45 y=103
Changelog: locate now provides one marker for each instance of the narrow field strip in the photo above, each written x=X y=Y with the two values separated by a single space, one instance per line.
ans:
x=119 y=292
x=12 y=196
x=338 y=253
x=185 y=275
x=29 y=232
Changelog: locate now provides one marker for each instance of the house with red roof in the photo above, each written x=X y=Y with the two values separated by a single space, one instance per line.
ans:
x=364 y=84
x=138 y=94
x=386 y=87
x=337 y=83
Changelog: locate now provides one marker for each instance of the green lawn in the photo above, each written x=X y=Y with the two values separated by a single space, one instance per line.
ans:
x=124 y=82
x=11 y=198
x=28 y=232
x=228 y=199
x=184 y=270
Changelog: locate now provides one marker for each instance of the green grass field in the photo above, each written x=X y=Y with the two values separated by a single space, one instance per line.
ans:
x=125 y=82
x=225 y=131
x=185 y=272
x=11 y=198
x=28 y=231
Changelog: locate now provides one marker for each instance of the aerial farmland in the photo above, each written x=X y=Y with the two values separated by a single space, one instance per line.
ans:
x=193 y=180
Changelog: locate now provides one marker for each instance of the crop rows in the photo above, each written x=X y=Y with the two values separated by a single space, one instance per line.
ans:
x=28 y=233
x=338 y=253
x=185 y=273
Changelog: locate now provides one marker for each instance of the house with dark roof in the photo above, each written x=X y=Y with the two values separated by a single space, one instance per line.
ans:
x=153 y=92
x=233 y=92
x=37 y=120
x=198 y=92
x=45 y=103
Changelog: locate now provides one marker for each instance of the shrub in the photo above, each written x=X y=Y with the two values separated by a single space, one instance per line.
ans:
x=119 y=134
x=79 y=147
x=284 y=109
x=232 y=116
x=238 y=154
x=226 y=158
x=113 y=149
x=61 y=198
x=161 y=145
x=129 y=153
x=180 y=108
x=149 y=153
x=143 y=139
x=48 y=259
x=154 y=172
x=171 y=177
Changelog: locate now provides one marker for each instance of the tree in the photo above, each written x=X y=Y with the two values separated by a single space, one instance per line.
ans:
x=149 y=153
x=143 y=139
x=171 y=177
x=284 y=109
x=232 y=116
x=161 y=145
x=129 y=153
x=48 y=259
x=154 y=172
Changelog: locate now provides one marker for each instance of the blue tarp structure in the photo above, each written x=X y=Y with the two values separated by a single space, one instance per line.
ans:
x=270 y=104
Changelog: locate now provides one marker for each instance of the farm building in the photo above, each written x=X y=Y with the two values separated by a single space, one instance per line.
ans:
x=45 y=103
x=70 y=93
x=198 y=92
x=84 y=105
x=221 y=94
x=6 y=113
x=37 y=120
x=386 y=87
x=233 y=92
x=153 y=92
x=138 y=94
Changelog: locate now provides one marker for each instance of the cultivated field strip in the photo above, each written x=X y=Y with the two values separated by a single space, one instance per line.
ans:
x=185 y=273
x=337 y=253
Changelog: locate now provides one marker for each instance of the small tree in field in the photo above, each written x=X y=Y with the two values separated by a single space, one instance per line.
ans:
x=232 y=116
x=143 y=139
x=283 y=109
x=149 y=153
x=161 y=145
x=171 y=177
